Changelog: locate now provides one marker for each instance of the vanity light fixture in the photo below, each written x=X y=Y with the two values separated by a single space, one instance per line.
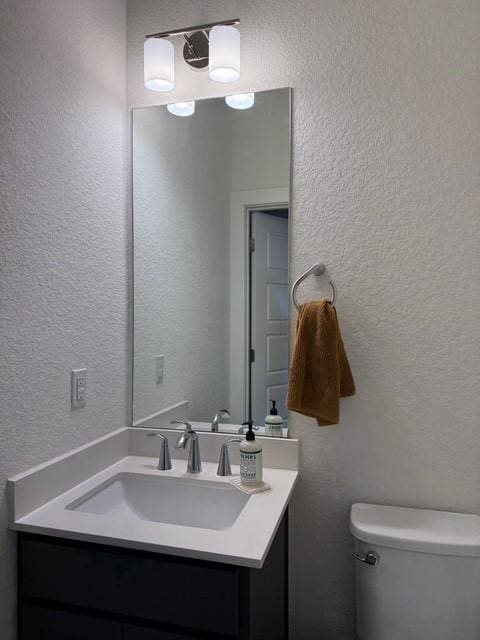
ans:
x=182 y=109
x=241 y=101
x=224 y=54
x=159 y=68
x=215 y=45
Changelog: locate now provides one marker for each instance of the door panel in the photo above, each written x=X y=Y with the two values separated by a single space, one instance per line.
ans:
x=277 y=353
x=277 y=302
x=277 y=247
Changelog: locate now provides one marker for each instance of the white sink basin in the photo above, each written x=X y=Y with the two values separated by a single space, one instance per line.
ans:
x=180 y=501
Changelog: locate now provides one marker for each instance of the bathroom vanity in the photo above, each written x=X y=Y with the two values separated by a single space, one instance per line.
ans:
x=110 y=547
x=115 y=543
x=108 y=593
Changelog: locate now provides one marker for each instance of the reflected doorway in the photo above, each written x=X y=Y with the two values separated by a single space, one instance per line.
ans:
x=268 y=311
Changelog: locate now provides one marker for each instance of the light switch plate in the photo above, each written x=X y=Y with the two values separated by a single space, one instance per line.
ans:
x=79 y=388
x=159 y=369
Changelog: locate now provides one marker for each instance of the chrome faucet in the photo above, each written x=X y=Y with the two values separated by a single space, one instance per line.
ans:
x=221 y=413
x=224 y=468
x=242 y=429
x=194 y=463
x=164 y=460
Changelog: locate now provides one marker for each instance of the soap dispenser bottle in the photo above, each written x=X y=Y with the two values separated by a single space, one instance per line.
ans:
x=251 y=471
x=274 y=422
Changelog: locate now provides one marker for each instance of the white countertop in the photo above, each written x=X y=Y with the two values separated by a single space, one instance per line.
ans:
x=245 y=543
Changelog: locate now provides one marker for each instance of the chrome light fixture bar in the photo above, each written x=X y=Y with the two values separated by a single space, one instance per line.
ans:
x=199 y=27
x=215 y=45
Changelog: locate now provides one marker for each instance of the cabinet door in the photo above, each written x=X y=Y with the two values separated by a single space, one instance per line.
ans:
x=142 y=633
x=49 y=624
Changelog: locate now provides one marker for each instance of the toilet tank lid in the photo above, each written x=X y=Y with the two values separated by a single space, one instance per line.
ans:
x=438 y=532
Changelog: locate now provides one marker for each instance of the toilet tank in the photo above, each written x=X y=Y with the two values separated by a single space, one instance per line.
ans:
x=417 y=573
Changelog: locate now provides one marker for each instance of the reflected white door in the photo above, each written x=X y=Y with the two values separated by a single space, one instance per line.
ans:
x=269 y=314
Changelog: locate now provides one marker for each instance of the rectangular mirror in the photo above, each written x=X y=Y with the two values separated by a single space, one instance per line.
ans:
x=211 y=204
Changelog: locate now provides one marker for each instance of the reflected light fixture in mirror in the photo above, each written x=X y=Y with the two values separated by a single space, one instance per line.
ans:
x=182 y=109
x=224 y=54
x=159 y=67
x=241 y=101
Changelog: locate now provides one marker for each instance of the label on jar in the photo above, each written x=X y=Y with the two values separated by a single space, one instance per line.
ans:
x=276 y=430
x=251 y=467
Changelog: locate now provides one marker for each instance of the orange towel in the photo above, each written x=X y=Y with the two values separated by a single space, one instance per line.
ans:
x=320 y=373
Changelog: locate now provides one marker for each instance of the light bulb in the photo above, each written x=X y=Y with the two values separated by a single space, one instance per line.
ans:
x=224 y=54
x=182 y=109
x=159 y=64
x=241 y=100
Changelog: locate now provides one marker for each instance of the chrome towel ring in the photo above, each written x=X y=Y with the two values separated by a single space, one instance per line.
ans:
x=317 y=269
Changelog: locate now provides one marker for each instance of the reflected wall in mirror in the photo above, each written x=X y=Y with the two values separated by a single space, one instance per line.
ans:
x=211 y=288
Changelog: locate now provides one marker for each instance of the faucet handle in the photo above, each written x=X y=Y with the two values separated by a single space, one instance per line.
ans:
x=164 y=459
x=224 y=468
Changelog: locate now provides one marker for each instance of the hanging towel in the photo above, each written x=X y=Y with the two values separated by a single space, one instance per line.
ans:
x=320 y=373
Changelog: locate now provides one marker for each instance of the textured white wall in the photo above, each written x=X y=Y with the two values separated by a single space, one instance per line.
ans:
x=385 y=191
x=63 y=240
x=181 y=198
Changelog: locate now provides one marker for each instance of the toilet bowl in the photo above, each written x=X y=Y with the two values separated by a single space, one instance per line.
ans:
x=417 y=573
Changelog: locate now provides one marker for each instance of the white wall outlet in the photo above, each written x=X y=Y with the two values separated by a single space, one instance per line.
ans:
x=79 y=388
x=159 y=369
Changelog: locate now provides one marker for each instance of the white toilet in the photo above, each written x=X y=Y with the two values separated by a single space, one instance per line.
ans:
x=417 y=573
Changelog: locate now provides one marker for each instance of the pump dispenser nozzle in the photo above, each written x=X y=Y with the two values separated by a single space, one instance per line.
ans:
x=249 y=435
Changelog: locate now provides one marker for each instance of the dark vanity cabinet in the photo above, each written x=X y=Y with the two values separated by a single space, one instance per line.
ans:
x=71 y=590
